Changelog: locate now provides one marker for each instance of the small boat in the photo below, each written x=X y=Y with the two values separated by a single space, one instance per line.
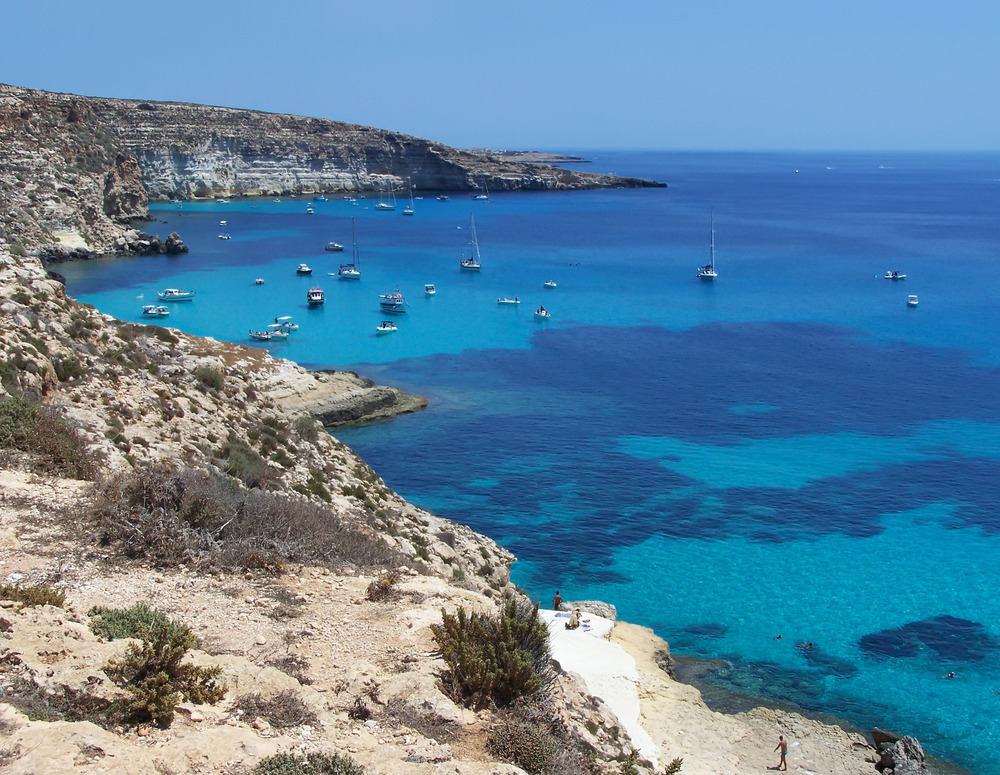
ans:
x=259 y=281
x=285 y=323
x=352 y=271
x=278 y=331
x=408 y=210
x=386 y=327
x=175 y=294
x=224 y=236
x=429 y=289
x=334 y=247
x=549 y=284
x=315 y=296
x=303 y=269
x=222 y=223
x=911 y=300
x=707 y=271
x=474 y=262
x=392 y=302
x=309 y=210
x=484 y=194
x=155 y=311
x=443 y=198
x=264 y=336
x=505 y=300
x=320 y=198
x=542 y=313
x=894 y=276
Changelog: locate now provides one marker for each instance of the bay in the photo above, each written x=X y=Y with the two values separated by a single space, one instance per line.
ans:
x=790 y=450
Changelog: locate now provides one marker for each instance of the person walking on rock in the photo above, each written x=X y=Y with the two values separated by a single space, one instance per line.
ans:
x=783 y=747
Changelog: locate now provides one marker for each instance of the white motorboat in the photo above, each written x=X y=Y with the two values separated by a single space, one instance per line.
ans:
x=429 y=289
x=707 y=271
x=309 y=210
x=259 y=281
x=549 y=284
x=392 y=302
x=175 y=294
x=386 y=327
x=155 y=311
x=443 y=198
x=894 y=276
x=264 y=336
x=334 y=247
x=285 y=323
x=315 y=296
x=507 y=300
x=222 y=223
x=542 y=314
x=352 y=271
x=474 y=262
x=911 y=300
x=303 y=269
x=224 y=236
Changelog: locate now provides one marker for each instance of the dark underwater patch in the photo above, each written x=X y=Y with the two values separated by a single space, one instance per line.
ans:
x=950 y=638
x=706 y=630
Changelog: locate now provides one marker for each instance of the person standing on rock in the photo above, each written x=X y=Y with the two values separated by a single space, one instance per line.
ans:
x=557 y=601
x=783 y=747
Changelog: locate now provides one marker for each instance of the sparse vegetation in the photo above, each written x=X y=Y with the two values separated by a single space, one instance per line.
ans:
x=208 y=377
x=33 y=595
x=171 y=515
x=282 y=711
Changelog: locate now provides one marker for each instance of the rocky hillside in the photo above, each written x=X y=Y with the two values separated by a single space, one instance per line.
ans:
x=90 y=165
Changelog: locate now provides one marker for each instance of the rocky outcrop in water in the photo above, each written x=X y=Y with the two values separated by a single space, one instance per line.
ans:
x=84 y=168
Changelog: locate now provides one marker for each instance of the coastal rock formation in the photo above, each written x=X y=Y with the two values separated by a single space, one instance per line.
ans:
x=905 y=756
x=86 y=166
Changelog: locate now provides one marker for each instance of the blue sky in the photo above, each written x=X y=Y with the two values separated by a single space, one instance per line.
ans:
x=546 y=74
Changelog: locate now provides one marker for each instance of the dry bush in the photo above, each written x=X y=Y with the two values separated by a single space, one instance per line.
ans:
x=429 y=724
x=53 y=446
x=293 y=665
x=282 y=711
x=173 y=515
x=33 y=595
x=384 y=587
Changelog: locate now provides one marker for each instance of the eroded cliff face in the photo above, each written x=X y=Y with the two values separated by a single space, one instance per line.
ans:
x=87 y=166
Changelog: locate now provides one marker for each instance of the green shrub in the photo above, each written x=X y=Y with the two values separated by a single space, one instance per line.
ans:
x=56 y=447
x=209 y=377
x=494 y=658
x=674 y=767
x=310 y=764
x=156 y=679
x=530 y=746
x=135 y=622
x=33 y=595
x=243 y=462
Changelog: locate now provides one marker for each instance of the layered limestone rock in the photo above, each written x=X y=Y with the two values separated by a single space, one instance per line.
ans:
x=86 y=166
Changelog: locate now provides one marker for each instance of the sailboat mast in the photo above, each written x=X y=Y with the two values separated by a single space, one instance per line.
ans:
x=475 y=242
x=355 y=258
x=711 y=260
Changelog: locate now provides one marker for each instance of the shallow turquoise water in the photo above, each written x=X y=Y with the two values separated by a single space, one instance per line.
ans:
x=788 y=451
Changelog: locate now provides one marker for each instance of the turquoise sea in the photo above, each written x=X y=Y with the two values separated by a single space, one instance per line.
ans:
x=790 y=450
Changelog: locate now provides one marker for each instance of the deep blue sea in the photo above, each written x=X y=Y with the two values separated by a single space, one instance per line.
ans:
x=790 y=450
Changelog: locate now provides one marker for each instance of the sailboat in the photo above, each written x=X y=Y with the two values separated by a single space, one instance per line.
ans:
x=484 y=194
x=389 y=204
x=474 y=262
x=352 y=271
x=707 y=272
x=408 y=210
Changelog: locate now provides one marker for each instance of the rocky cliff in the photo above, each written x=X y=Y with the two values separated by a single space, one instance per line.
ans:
x=89 y=165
